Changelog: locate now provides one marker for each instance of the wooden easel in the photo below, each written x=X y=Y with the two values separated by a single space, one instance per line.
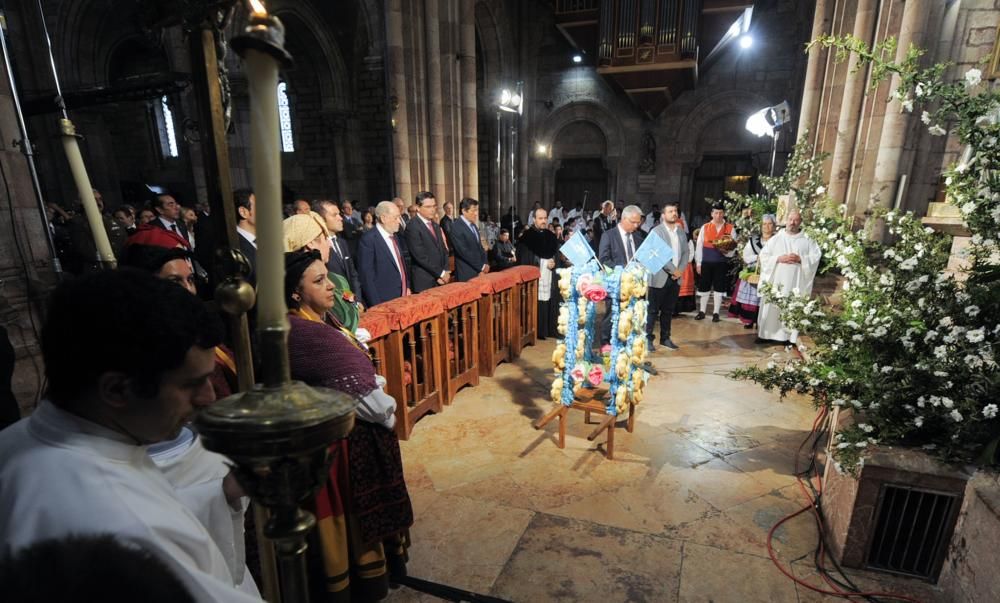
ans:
x=589 y=400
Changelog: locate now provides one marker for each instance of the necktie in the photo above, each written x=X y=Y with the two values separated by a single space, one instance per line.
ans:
x=630 y=249
x=336 y=247
x=173 y=227
x=399 y=261
x=430 y=226
x=475 y=231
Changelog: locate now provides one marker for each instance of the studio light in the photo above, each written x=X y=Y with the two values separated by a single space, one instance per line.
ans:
x=511 y=101
x=746 y=41
x=542 y=149
x=577 y=58
x=768 y=122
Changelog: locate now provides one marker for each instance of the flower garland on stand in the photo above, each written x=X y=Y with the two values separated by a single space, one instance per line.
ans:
x=576 y=365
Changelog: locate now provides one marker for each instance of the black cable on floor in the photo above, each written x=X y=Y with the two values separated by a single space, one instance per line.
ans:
x=448 y=593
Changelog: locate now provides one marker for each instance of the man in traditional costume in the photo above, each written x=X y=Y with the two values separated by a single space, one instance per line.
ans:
x=788 y=264
x=538 y=246
x=79 y=465
x=712 y=261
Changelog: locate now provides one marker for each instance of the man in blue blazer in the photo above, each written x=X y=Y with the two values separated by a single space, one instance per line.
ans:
x=425 y=240
x=618 y=246
x=470 y=257
x=382 y=258
x=341 y=261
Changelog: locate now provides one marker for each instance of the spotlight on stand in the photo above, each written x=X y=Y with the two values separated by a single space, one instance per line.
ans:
x=768 y=122
x=746 y=41
x=577 y=59
x=511 y=101
x=542 y=149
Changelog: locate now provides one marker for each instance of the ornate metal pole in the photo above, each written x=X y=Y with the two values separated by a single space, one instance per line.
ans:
x=278 y=433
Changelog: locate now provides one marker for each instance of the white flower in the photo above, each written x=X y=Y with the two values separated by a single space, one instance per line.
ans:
x=956 y=416
x=865 y=427
x=831 y=376
x=940 y=374
x=941 y=352
x=930 y=335
x=820 y=190
x=908 y=104
x=946 y=321
x=926 y=118
x=919 y=90
x=843 y=445
x=947 y=402
x=968 y=208
x=975 y=335
x=918 y=421
x=937 y=130
x=973 y=77
x=771 y=366
x=972 y=310
x=908 y=264
x=973 y=361
x=880 y=332
x=990 y=411
x=861 y=444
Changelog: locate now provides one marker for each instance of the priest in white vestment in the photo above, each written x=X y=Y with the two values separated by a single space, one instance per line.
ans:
x=79 y=464
x=788 y=262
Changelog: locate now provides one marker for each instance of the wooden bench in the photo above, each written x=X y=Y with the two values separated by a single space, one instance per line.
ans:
x=496 y=319
x=525 y=328
x=412 y=358
x=460 y=351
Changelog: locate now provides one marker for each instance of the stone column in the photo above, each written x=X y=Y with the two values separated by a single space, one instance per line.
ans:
x=850 y=108
x=435 y=109
x=815 y=68
x=896 y=121
x=398 y=103
x=469 y=116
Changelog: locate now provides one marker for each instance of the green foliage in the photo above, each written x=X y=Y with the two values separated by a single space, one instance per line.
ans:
x=912 y=351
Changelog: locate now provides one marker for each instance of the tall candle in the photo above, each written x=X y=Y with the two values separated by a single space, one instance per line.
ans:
x=262 y=78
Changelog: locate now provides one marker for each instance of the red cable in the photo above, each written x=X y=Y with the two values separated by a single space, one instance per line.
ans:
x=812 y=505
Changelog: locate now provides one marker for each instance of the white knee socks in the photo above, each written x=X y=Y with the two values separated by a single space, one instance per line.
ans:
x=718 y=302
x=703 y=301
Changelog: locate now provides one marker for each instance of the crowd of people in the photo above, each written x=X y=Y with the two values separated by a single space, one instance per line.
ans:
x=111 y=451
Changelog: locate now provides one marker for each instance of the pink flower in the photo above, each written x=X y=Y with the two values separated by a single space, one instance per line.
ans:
x=596 y=375
x=595 y=293
x=606 y=348
x=583 y=282
x=577 y=373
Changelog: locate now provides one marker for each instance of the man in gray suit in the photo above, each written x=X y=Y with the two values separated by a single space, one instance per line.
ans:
x=666 y=284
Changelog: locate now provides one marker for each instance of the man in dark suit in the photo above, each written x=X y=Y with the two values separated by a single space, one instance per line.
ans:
x=604 y=222
x=618 y=247
x=470 y=257
x=382 y=258
x=246 y=227
x=168 y=213
x=448 y=217
x=352 y=226
x=341 y=261
x=425 y=240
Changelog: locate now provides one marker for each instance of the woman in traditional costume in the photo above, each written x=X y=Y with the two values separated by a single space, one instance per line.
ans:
x=363 y=511
x=746 y=299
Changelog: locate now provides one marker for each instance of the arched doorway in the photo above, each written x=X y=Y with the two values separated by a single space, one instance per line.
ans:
x=582 y=175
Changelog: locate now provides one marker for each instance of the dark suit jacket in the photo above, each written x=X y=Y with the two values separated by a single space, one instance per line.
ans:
x=251 y=254
x=180 y=227
x=343 y=265
x=428 y=255
x=469 y=254
x=612 y=252
x=601 y=225
x=380 y=280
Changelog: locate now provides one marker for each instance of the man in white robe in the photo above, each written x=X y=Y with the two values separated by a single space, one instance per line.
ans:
x=788 y=263
x=79 y=464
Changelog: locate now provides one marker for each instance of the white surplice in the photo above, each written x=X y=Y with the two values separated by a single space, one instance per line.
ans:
x=61 y=475
x=788 y=279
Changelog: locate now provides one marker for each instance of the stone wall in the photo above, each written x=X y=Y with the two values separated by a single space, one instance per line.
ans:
x=970 y=572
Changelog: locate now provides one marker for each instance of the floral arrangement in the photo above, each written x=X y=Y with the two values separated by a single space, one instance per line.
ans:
x=913 y=351
x=576 y=365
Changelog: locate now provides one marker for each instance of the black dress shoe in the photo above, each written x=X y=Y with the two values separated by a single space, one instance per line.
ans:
x=667 y=343
x=715 y=317
x=700 y=316
x=748 y=326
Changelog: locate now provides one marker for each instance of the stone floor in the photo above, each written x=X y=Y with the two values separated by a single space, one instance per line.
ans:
x=681 y=514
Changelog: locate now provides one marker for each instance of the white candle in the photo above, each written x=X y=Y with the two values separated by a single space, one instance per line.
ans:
x=262 y=77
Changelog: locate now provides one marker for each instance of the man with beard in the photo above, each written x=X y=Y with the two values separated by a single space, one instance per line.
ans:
x=788 y=263
x=538 y=246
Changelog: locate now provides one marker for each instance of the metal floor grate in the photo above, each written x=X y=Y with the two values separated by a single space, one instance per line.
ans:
x=912 y=529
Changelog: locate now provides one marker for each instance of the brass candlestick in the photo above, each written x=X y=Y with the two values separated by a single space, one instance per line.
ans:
x=278 y=434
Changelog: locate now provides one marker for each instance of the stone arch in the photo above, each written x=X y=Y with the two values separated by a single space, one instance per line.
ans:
x=607 y=122
x=710 y=109
x=571 y=113
x=301 y=19
x=86 y=33
x=493 y=60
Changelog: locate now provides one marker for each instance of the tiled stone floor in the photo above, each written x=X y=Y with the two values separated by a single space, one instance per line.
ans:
x=681 y=513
